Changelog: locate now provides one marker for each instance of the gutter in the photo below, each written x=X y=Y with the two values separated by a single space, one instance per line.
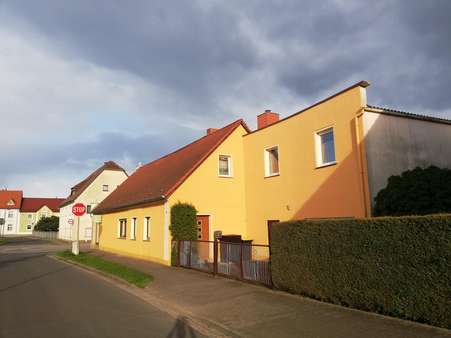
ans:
x=153 y=200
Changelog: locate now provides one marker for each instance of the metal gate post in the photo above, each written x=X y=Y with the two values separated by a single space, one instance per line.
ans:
x=215 y=257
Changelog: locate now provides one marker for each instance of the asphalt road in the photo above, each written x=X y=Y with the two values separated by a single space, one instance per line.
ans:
x=42 y=297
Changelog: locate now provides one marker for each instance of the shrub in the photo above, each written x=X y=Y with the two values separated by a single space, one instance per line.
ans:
x=47 y=224
x=415 y=192
x=183 y=225
x=400 y=266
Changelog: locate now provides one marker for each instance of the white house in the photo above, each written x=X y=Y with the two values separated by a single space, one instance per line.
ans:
x=10 y=203
x=91 y=191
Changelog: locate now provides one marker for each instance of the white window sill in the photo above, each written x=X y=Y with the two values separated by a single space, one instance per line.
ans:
x=326 y=164
x=272 y=175
x=225 y=176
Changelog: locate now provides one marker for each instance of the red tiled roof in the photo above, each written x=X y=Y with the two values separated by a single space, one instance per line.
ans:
x=10 y=195
x=32 y=204
x=157 y=180
x=78 y=189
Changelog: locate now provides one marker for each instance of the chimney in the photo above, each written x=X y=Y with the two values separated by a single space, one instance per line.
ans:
x=211 y=130
x=267 y=118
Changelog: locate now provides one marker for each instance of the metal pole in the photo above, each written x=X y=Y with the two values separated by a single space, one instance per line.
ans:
x=76 y=244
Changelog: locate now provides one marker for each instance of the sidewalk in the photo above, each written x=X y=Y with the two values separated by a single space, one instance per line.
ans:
x=253 y=311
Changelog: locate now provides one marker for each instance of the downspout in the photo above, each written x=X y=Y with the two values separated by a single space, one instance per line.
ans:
x=362 y=164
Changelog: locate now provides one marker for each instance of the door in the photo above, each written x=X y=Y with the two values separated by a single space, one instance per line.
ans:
x=203 y=234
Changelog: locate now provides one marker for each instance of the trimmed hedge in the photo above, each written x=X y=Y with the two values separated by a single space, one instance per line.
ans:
x=400 y=266
x=183 y=225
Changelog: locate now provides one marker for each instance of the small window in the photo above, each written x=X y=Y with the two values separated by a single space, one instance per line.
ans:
x=325 y=147
x=30 y=216
x=28 y=226
x=146 y=229
x=88 y=208
x=225 y=165
x=10 y=214
x=10 y=227
x=105 y=187
x=122 y=233
x=272 y=161
x=133 y=229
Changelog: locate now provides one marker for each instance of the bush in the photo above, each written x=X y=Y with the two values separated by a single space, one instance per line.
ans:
x=400 y=266
x=47 y=224
x=415 y=192
x=183 y=225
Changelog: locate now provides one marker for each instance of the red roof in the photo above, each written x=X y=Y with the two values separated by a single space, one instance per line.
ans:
x=10 y=199
x=157 y=180
x=78 y=189
x=31 y=204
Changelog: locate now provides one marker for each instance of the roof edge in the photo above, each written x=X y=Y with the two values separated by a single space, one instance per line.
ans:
x=399 y=113
x=150 y=201
x=362 y=84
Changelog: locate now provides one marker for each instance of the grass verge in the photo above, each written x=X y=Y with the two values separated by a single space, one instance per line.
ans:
x=135 y=277
x=2 y=241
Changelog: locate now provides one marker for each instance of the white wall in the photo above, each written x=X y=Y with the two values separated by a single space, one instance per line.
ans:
x=93 y=195
x=14 y=221
x=395 y=144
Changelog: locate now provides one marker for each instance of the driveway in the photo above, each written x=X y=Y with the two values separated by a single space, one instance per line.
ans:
x=42 y=297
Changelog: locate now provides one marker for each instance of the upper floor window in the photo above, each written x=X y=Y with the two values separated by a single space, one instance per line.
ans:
x=10 y=214
x=30 y=216
x=325 y=147
x=225 y=165
x=88 y=208
x=105 y=187
x=122 y=231
x=272 y=161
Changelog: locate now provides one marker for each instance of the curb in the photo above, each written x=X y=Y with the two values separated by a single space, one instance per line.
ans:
x=204 y=326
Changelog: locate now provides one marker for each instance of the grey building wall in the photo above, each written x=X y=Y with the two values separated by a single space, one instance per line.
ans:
x=394 y=144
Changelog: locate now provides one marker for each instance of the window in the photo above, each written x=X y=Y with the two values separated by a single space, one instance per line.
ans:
x=133 y=229
x=146 y=229
x=272 y=161
x=9 y=227
x=225 y=166
x=122 y=229
x=10 y=214
x=28 y=226
x=88 y=208
x=30 y=216
x=105 y=187
x=325 y=147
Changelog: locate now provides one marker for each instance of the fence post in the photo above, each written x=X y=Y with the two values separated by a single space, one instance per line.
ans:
x=189 y=256
x=179 y=253
x=215 y=257
x=241 y=261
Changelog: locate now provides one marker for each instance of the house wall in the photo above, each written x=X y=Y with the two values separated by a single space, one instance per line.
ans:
x=221 y=198
x=396 y=144
x=152 y=249
x=302 y=190
x=93 y=195
x=14 y=221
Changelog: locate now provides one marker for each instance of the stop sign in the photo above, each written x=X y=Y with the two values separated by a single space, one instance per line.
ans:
x=79 y=209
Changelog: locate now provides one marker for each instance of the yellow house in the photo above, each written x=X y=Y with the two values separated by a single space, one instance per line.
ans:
x=328 y=160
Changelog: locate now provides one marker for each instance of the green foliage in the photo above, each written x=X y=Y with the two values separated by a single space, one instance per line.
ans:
x=183 y=225
x=400 y=266
x=126 y=273
x=416 y=192
x=47 y=224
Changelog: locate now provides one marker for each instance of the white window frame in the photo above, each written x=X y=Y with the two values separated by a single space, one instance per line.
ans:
x=267 y=162
x=230 y=162
x=8 y=226
x=30 y=216
x=119 y=229
x=105 y=187
x=133 y=229
x=10 y=214
x=29 y=227
x=318 y=147
x=146 y=229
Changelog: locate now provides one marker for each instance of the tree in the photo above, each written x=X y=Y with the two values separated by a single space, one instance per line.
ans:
x=47 y=224
x=183 y=226
x=415 y=192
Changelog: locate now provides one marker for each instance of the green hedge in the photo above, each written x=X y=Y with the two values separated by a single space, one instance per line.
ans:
x=400 y=266
x=183 y=225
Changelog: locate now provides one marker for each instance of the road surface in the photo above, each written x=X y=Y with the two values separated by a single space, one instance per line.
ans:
x=42 y=297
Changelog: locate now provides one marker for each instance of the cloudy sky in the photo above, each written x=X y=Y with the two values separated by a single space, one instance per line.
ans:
x=82 y=82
